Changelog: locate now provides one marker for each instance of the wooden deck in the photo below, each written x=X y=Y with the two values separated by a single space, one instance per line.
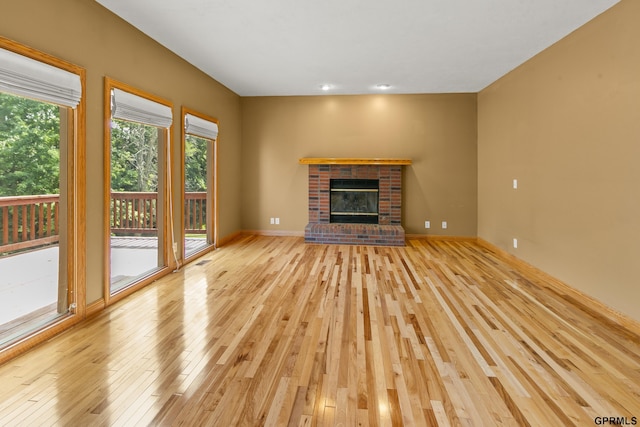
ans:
x=147 y=242
x=270 y=331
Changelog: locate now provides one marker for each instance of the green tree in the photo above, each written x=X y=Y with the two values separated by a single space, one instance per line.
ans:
x=134 y=157
x=29 y=147
x=195 y=163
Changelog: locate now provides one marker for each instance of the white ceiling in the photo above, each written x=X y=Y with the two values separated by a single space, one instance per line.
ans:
x=291 y=47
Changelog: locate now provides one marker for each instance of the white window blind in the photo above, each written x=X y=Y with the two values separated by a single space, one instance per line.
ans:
x=134 y=108
x=27 y=77
x=200 y=127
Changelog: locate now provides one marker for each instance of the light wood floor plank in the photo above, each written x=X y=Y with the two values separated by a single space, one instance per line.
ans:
x=271 y=331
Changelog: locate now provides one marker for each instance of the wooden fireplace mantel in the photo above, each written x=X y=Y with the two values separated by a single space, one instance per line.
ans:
x=352 y=161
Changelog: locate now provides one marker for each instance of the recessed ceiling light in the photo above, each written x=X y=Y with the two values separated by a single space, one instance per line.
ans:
x=383 y=86
x=325 y=87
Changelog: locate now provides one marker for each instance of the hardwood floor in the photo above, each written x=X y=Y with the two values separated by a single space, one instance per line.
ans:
x=270 y=331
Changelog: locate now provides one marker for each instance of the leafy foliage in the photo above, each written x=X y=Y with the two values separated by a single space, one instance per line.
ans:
x=195 y=163
x=30 y=152
x=29 y=147
x=134 y=156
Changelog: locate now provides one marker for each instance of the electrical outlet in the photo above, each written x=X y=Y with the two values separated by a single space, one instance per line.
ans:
x=277 y=221
x=444 y=224
x=515 y=243
x=515 y=184
x=427 y=224
x=272 y=220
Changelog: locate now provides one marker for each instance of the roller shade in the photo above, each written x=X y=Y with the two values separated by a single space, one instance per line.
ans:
x=200 y=127
x=134 y=108
x=27 y=77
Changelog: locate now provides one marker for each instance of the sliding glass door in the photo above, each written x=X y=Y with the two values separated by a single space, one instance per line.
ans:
x=199 y=154
x=32 y=272
x=136 y=202
x=137 y=192
x=39 y=111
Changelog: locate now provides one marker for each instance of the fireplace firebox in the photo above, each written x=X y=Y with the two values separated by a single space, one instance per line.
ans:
x=354 y=201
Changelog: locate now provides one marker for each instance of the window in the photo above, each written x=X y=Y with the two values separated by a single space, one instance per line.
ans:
x=41 y=189
x=199 y=149
x=137 y=188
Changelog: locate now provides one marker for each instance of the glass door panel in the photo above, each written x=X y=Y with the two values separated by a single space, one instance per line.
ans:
x=136 y=238
x=198 y=158
x=33 y=211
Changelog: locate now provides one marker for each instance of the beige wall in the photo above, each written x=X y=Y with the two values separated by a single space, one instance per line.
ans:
x=566 y=124
x=84 y=33
x=438 y=132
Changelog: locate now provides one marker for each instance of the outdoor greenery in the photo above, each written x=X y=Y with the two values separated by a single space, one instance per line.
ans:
x=29 y=147
x=30 y=152
x=195 y=159
x=134 y=157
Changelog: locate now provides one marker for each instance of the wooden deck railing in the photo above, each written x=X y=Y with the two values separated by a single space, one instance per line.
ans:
x=134 y=213
x=31 y=221
x=137 y=213
x=28 y=221
x=195 y=213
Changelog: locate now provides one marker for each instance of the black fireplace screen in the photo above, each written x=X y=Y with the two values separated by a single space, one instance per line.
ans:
x=354 y=201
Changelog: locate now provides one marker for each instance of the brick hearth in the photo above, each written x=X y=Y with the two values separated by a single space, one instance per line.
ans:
x=388 y=231
x=355 y=234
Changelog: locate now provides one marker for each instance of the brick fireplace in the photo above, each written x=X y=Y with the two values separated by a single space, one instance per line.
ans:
x=387 y=229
